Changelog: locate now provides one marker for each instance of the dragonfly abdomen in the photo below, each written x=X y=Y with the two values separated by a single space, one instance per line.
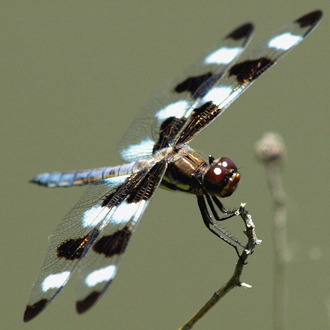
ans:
x=84 y=177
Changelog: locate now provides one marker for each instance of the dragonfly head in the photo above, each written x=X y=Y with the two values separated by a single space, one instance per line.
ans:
x=222 y=178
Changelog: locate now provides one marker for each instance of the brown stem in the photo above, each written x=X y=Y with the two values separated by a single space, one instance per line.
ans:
x=235 y=280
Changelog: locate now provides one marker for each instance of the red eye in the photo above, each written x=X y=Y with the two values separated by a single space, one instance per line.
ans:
x=222 y=178
x=228 y=163
x=216 y=174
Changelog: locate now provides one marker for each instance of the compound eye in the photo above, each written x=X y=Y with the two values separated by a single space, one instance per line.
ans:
x=221 y=179
x=216 y=174
x=227 y=163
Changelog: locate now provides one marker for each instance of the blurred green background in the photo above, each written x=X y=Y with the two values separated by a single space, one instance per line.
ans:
x=74 y=75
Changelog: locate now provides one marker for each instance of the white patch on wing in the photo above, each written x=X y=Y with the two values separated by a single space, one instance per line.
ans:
x=176 y=109
x=230 y=99
x=143 y=148
x=101 y=275
x=217 y=94
x=284 y=41
x=116 y=180
x=94 y=215
x=54 y=281
x=140 y=211
x=124 y=212
x=98 y=213
x=223 y=55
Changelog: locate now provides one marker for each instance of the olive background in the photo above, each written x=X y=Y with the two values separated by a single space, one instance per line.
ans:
x=74 y=75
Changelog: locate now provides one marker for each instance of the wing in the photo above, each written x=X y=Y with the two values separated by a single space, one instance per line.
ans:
x=101 y=263
x=109 y=206
x=73 y=237
x=216 y=98
x=143 y=137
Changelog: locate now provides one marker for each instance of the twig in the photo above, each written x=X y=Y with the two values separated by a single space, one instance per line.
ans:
x=235 y=279
x=270 y=150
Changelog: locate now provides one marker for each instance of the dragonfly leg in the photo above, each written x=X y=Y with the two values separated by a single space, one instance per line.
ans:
x=211 y=227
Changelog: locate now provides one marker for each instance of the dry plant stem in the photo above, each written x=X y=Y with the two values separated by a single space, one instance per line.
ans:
x=235 y=279
x=280 y=246
x=271 y=151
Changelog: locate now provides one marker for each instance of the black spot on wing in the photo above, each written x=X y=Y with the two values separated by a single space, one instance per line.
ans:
x=167 y=132
x=309 y=19
x=75 y=248
x=241 y=32
x=109 y=197
x=119 y=195
x=192 y=84
x=113 y=244
x=146 y=187
x=85 y=304
x=250 y=70
x=199 y=119
x=32 y=311
x=203 y=109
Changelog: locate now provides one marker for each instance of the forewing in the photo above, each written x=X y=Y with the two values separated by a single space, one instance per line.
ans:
x=99 y=267
x=251 y=65
x=68 y=245
x=162 y=118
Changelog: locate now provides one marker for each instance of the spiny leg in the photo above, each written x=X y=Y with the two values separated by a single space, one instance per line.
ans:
x=216 y=216
x=209 y=222
x=223 y=209
x=228 y=214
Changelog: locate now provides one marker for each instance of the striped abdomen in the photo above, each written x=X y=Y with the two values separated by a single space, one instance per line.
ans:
x=83 y=177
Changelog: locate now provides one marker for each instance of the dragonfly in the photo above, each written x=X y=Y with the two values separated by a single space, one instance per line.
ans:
x=93 y=237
